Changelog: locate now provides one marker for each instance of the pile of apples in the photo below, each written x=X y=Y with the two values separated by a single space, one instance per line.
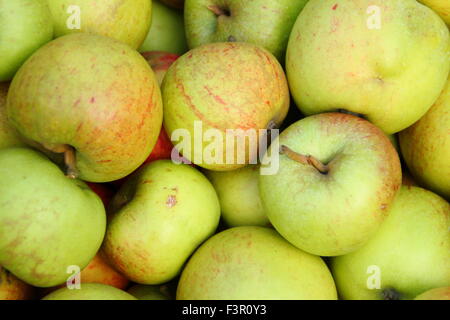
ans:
x=101 y=199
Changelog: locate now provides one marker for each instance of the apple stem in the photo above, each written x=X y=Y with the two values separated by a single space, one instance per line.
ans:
x=69 y=158
x=309 y=160
x=218 y=11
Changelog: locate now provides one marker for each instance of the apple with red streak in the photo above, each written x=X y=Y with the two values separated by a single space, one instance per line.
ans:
x=160 y=62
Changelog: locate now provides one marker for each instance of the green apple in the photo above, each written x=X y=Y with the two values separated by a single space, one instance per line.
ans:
x=9 y=137
x=125 y=20
x=166 y=32
x=90 y=291
x=159 y=62
x=12 y=288
x=263 y=23
x=385 y=60
x=47 y=221
x=442 y=7
x=157 y=219
x=254 y=263
x=426 y=146
x=407 y=256
x=25 y=25
x=92 y=98
x=219 y=88
x=239 y=196
x=143 y=292
x=177 y=4
x=435 y=294
x=337 y=176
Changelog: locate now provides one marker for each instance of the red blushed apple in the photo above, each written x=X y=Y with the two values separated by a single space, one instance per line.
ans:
x=103 y=191
x=160 y=62
x=162 y=149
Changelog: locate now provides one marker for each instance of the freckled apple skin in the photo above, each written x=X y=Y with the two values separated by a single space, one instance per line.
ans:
x=226 y=86
x=9 y=137
x=426 y=146
x=157 y=219
x=125 y=20
x=93 y=93
x=48 y=222
x=90 y=291
x=442 y=8
x=254 y=263
x=411 y=250
x=12 y=288
x=335 y=213
x=391 y=75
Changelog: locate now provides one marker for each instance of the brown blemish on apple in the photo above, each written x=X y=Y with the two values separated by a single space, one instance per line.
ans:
x=147 y=181
x=335 y=6
x=171 y=201
x=92 y=100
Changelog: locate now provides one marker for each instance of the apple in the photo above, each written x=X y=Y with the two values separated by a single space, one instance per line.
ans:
x=407 y=256
x=47 y=221
x=9 y=137
x=143 y=292
x=166 y=32
x=125 y=20
x=92 y=98
x=426 y=146
x=90 y=291
x=263 y=23
x=442 y=8
x=25 y=25
x=435 y=294
x=221 y=87
x=12 y=288
x=177 y=4
x=254 y=263
x=239 y=196
x=385 y=60
x=157 y=219
x=160 y=62
x=338 y=175
x=103 y=191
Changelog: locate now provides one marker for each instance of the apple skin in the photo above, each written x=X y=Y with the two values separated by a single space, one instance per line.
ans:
x=160 y=62
x=25 y=25
x=442 y=8
x=334 y=213
x=253 y=263
x=157 y=219
x=103 y=191
x=125 y=20
x=47 y=221
x=263 y=23
x=426 y=146
x=177 y=4
x=166 y=32
x=9 y=137
x=239 y=196
x=435 y=294
x=391 y=75
x=226 y=86
x=109 y=109
x=411 y=250
x=90 y=291
x=12 y=288
x=143 y=292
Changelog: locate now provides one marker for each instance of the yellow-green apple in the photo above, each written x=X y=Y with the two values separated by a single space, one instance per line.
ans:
x=143 y=292
x=157 y=219
x=238 y=193
x=25 y=25
x=160 y=62
x=125 y=20
x=263 y=23
x=229 y=92
x=92 y=98
x=48 y=222
x=435 y=294
x=177 y=4
x=9 y=137
x=425 y=146
x=337 y=176
x=12 y=288
x=442 y=7
x=253 y=263
x=385 y=60
x=166 y=32
x=407 y=256
x=90 y=291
